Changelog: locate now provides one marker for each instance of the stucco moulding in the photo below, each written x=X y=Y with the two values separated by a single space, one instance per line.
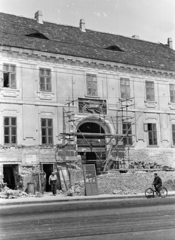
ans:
x=171 y=106
x=7 y=92
x=46 y=95
x=151 y=104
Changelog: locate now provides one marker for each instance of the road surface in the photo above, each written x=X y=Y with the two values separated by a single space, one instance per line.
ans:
x=126 y=219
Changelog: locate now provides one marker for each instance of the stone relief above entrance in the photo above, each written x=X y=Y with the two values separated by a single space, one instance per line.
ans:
x=93 y=106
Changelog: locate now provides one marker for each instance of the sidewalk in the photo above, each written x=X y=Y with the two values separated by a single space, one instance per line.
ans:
x=49 y=198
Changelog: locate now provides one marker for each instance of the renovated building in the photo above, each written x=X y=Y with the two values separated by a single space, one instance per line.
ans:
x=62 y=84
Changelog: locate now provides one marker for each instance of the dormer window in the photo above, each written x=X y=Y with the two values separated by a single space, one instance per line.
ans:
x=36 y=34
x=114 y=48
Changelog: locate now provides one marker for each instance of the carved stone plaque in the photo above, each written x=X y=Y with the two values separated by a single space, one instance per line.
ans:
x=93 y=106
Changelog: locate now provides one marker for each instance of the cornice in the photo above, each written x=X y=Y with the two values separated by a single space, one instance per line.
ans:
x=104 y=66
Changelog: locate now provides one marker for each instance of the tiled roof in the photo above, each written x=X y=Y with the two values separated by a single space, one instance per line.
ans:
x=72 y=41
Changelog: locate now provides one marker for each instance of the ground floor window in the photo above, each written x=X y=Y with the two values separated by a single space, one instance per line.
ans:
x=47 y=131
x=10 y=130
x=152 y=134
x=127 y=131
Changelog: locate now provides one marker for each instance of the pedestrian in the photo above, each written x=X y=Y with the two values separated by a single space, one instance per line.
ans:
x=52 y=182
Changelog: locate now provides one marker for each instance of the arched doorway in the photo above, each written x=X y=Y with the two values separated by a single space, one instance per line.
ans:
x=91 y=143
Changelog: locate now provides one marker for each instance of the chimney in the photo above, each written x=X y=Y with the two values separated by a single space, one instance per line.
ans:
x=39 y=17
x=82 y=25
x=135 y=37
x=170 y=43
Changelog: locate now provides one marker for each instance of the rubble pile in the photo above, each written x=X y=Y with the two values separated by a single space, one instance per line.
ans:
x=10 y=193
x=27 y=175
x=148 y=165
x=132 y=182
x=76 y=190
x=6 y=192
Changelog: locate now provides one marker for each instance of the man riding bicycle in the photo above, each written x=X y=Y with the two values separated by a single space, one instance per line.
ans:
x=157 y=183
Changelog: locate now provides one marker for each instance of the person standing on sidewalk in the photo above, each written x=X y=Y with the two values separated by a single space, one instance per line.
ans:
x=52 y=182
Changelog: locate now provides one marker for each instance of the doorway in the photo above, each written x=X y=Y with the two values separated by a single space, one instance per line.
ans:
x=48 y=169
x=9 y=175
x=94 y=146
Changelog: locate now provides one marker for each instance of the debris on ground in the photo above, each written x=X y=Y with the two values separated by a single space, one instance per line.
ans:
x=112 y=182
x=10 y=193
x=148 y=165
x=132 y=182
x=76 y=190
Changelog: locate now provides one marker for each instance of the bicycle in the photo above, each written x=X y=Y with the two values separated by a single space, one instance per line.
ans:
x=151 y=192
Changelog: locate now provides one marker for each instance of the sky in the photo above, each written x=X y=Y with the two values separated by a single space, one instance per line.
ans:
x=151 y=20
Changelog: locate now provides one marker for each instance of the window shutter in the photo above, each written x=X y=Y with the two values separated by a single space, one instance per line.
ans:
x=13 y=80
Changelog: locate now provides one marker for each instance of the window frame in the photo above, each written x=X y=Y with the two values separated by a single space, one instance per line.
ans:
x=152 y=134
x=152 y=94
x=128 y=131
x=172 y=96
x=10 y=126
x=11 y=82
x=173 y=134
x=95 y=90
x=126 y=87
x=43 y=86
x=46 y=128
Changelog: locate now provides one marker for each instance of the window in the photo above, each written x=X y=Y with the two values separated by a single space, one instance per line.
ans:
x=173 y=134
x=150 y=91
x=124 y=87
x=91 y=83
x=127 y=130
x=9 y=76
x=45 y=80
x=10 y=129
x=47 y=131
x=172 y=93
x=152 y=134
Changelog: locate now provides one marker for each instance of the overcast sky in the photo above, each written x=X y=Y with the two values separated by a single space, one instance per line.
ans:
x=152 y=20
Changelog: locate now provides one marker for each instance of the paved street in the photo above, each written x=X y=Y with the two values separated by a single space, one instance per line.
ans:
x=120 y=219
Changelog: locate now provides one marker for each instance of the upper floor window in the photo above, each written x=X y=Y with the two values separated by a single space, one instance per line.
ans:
x=9 y=76
x=173 y=134
x=91 y=83
x=127 y=131
x=47 y=131
x=150 y=91
x=124 y=87
x=45 y=80
x=172 y=93
x=10 y=130
x=152 y=134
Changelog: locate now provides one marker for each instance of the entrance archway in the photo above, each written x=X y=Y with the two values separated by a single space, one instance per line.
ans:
x=92 y=143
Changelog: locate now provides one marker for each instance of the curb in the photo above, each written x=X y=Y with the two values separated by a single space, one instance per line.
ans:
x=10 y=202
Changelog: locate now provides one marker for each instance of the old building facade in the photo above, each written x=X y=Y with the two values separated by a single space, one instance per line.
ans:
x=59 y=79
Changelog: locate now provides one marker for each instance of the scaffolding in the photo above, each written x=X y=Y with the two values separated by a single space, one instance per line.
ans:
x=116 y=145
